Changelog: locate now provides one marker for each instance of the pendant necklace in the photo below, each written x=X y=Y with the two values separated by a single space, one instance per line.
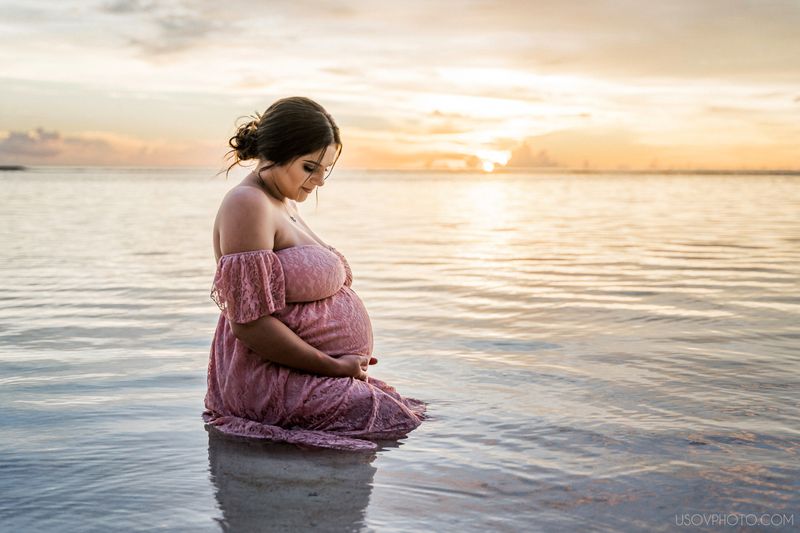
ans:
x=288 y=213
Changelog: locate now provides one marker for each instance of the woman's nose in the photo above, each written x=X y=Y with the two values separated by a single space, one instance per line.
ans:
x=318 y=178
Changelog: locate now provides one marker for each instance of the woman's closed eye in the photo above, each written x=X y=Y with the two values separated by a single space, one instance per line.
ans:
x=323 y=173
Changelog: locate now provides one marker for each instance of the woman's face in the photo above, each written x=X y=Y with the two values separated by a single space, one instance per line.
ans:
x=297 y=179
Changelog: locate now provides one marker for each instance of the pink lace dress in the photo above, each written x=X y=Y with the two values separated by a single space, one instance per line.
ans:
x=307 y=288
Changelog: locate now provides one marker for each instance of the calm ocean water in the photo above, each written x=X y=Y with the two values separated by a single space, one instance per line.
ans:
x=598 y=353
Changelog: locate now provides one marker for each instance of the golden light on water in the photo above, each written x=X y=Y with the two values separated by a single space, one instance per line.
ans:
x=488 y=212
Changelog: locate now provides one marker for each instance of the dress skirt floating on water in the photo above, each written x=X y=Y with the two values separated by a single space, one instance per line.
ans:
x=307 y=288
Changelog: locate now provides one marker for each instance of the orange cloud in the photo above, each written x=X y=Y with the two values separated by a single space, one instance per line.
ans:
x=43 y=147
x=608 y=149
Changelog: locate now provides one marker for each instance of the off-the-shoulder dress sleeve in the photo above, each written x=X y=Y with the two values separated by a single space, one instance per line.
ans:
x=249 y=285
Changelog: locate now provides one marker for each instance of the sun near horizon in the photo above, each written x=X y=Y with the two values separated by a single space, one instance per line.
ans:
x=497 y=88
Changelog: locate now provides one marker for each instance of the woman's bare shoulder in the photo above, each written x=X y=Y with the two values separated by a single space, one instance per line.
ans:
x=244 y=195
x=246 y=221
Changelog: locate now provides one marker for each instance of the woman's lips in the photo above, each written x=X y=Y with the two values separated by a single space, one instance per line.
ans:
x=308 y=191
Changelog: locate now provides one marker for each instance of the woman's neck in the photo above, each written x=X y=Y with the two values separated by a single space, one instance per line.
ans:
x=269 y=188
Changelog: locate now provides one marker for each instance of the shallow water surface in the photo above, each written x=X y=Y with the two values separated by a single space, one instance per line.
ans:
x=598 y=352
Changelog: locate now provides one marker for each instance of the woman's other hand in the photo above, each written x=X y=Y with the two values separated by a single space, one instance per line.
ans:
x=354 y=365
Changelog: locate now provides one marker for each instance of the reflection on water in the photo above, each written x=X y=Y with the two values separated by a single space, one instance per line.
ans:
x=275 y=487
x=597 y=353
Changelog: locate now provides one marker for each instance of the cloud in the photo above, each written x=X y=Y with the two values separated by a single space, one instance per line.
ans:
x=176 y=33
x=620 y=148
x=173 y=33
x=36 y=144
x=616 y=38
x=525 y=158
x=46 y=147
x=364 y=154
x=126 y=6
x=160 y=29
x=583 y=148
x=363 y=121
x=41 y=146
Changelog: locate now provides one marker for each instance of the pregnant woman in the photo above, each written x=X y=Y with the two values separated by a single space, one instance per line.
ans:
x=293 y=344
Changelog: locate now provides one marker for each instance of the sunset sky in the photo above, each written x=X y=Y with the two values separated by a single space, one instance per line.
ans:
x=603 y=84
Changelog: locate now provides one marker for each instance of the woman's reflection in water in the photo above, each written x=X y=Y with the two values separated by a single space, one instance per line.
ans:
x=280 y=487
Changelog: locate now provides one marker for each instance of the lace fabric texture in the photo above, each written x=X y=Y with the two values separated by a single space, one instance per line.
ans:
x=249 y=285
x=307 y=288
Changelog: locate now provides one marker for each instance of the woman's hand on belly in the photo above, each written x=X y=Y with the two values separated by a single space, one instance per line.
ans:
x=354 y=365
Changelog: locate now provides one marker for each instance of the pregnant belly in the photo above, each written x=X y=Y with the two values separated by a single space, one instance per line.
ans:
x=337 y=325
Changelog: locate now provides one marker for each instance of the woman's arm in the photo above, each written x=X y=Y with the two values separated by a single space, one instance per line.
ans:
x=272 y=340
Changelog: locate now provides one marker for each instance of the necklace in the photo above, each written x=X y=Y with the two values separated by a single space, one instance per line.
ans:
x=286 y=207
x=288 y=213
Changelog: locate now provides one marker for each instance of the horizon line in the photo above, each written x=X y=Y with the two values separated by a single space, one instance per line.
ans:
x=496 y=170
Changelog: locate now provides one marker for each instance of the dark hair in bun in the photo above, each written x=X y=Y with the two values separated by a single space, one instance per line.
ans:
x=289 y=128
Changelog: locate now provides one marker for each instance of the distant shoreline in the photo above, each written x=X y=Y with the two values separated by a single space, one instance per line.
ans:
x=13 y=167
x=767 y=172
